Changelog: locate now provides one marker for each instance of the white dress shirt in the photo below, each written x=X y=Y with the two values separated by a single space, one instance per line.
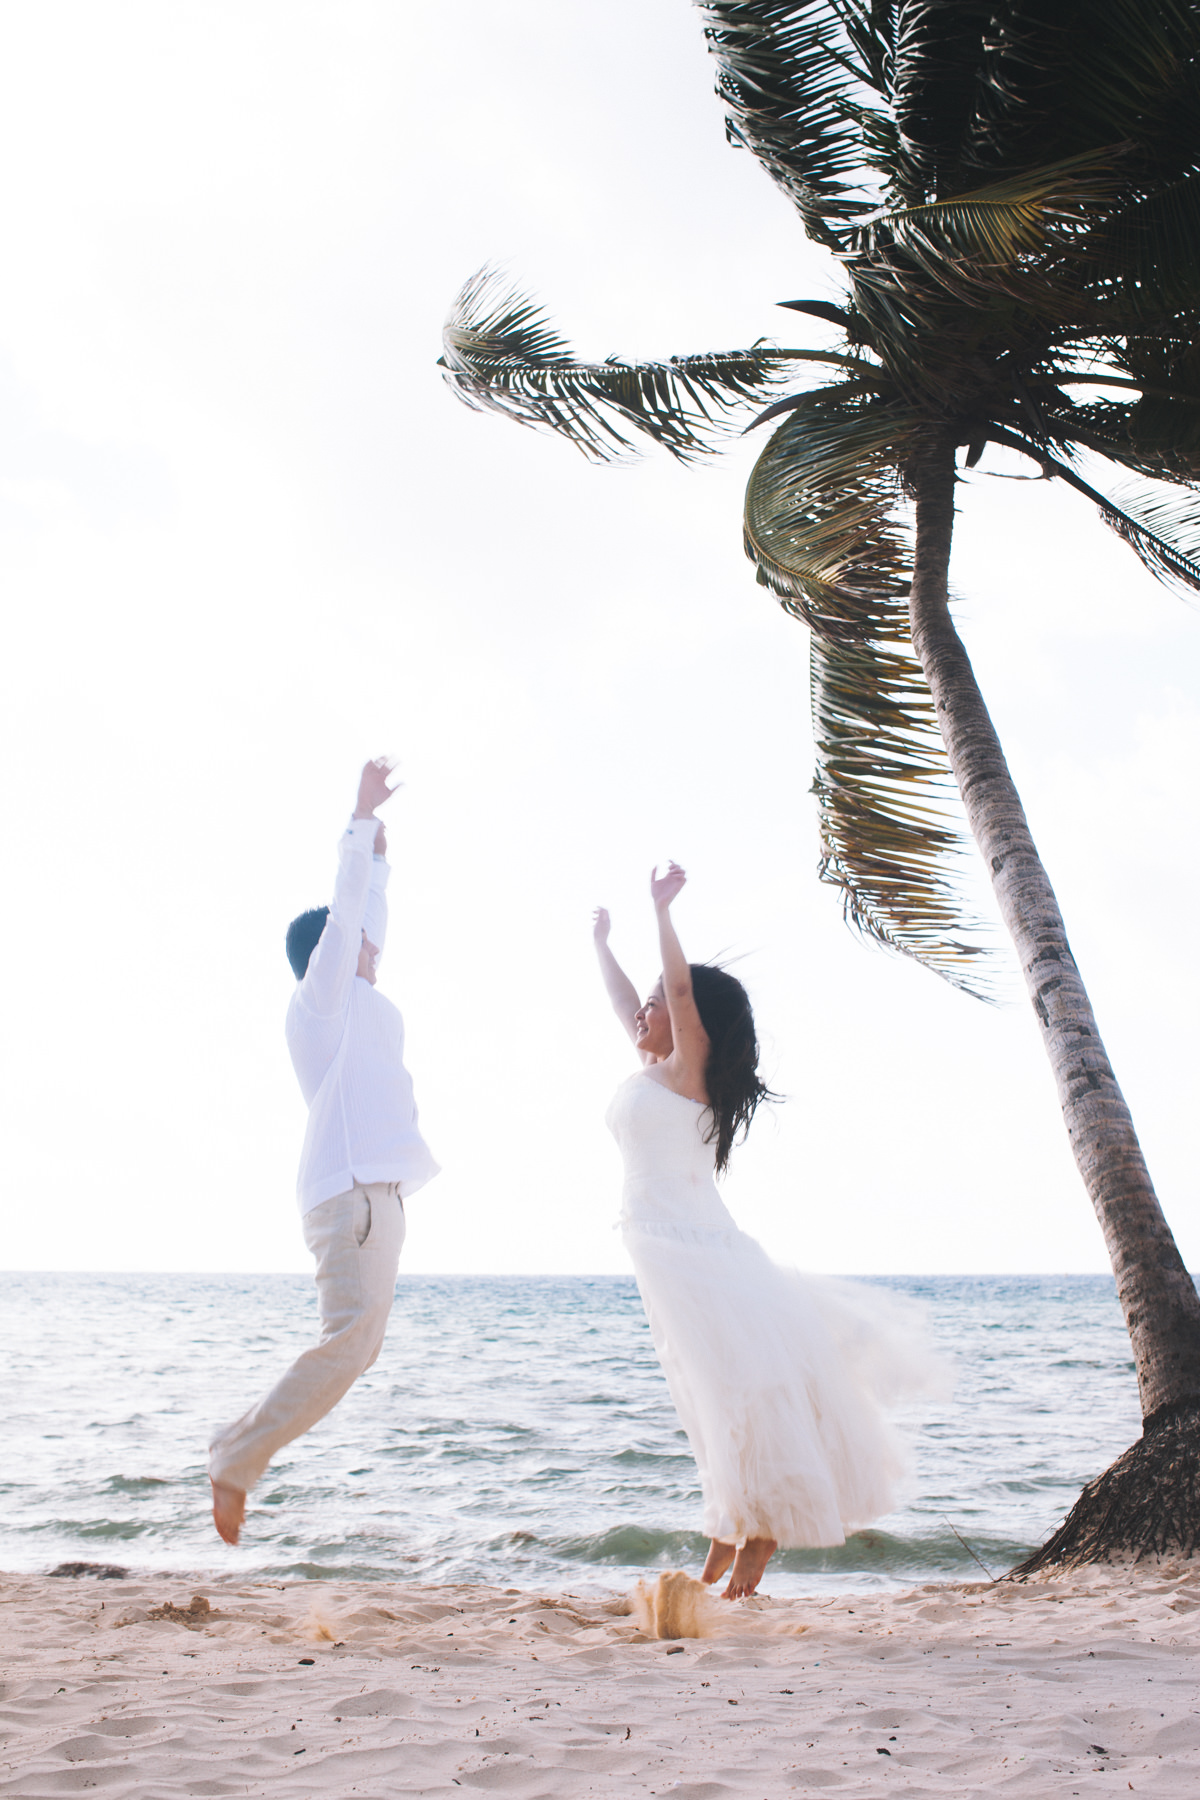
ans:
x=347 y=1046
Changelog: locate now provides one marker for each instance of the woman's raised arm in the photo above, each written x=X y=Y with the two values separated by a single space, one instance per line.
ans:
x=620 y=989
x=689 y=1057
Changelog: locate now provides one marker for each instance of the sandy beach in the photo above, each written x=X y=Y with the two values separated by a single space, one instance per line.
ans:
x=171 y=1686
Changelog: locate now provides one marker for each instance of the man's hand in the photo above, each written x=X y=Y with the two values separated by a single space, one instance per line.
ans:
x=601 y=925
x=373 y=787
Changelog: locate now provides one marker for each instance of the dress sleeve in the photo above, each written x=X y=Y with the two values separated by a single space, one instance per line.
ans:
x=331 y=967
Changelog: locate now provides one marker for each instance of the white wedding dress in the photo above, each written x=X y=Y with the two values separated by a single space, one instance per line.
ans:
x=779 y=1378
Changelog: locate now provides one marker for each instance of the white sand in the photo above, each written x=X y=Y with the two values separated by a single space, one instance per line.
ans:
x=1082 y=1686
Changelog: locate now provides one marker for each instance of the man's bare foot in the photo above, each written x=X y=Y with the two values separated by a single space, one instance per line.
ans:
x=229 y=1509
x=720 y=1555
x=748 y=1566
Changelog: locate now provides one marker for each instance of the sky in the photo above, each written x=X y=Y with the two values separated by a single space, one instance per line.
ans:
x=249 y=539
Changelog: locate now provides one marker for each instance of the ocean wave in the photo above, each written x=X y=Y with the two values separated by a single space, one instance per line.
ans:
x=863 y=1553
x=914 y=1557
x=630 y=1546
x=513 y=1431
x=70 y=1530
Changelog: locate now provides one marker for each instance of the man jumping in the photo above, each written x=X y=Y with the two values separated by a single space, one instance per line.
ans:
x=362 y=1156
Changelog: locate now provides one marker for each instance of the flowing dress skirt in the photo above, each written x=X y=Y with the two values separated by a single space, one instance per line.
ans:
x=780 y=1379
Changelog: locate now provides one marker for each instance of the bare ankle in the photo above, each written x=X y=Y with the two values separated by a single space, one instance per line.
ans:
x=228 y=1508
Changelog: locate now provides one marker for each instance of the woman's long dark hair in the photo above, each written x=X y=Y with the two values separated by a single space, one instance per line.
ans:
x=731 y=1076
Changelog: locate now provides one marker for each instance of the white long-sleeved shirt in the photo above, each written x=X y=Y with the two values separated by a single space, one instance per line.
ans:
x=347 y=1046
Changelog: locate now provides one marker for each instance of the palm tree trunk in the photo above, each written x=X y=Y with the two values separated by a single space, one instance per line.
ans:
x=1157 y=1295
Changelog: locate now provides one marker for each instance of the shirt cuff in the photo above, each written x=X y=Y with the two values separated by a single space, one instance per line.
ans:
x=363 y=833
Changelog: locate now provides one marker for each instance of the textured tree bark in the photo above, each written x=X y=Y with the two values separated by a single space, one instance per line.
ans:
x=1146 y=1504
x=1157 y=1295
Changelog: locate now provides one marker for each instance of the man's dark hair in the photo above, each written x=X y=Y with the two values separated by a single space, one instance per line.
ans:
x=302 y=937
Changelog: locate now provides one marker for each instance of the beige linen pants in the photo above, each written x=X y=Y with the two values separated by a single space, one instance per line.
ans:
x=356 y=1239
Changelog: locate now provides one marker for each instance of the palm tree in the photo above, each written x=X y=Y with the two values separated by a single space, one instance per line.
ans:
x=1012 y=191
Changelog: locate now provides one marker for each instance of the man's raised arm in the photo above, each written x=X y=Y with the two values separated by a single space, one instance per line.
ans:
x=332 y=966
x=375 y=917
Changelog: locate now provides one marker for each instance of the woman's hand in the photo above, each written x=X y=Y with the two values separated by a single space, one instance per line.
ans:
x=601 y=925
x=664 y=888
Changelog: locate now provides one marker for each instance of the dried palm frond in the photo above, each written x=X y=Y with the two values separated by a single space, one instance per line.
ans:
x=822 y=526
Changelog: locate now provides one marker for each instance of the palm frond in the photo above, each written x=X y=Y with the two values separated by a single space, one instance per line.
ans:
x=1132 y=72
x=1164 y=424
x=818 y=514
x=900 y=312
x=860 y=389
x=1101 y=425
x=1057 y=79
x=1005 y=238
x=1162 y=528
x=889 y=855
x=1162 y=358
x=821 y=525
x=1164 y=438
x=870 y=27
x=822 y=309
x=500 y=353
x=939 y=53
x=1156 y=435
x=1161 y=525
x=1144 y=260
x=883 y=152
x=789 y=80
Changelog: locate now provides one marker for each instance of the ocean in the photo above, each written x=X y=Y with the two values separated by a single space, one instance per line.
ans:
x=516 y=1430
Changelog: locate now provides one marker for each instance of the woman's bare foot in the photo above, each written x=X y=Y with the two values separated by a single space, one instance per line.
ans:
x=229 y=1510
x=748 y=1567
x=720 y=1555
